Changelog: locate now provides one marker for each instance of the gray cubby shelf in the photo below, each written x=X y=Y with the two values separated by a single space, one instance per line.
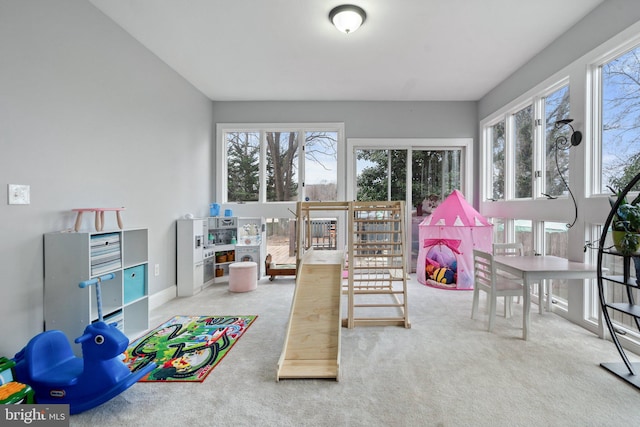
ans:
x=73 y=257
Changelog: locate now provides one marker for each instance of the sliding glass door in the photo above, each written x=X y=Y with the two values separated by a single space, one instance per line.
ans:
x=431 y=169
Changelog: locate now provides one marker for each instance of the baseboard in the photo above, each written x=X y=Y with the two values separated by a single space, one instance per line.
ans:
x=162 y=297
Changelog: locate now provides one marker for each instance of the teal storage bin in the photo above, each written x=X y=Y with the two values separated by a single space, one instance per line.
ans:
x=135 y=279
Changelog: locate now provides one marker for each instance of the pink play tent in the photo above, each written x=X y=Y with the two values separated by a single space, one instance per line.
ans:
x=447 y=239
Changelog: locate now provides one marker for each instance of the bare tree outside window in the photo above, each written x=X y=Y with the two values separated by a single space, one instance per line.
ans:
x=282 y=181
x=556 y=107
x=321 y=166
x=282 y=166
x=524 y=152
x=498 y=160
x=620 y=120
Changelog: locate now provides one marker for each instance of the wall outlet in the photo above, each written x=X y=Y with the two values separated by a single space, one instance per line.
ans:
x=156 y=270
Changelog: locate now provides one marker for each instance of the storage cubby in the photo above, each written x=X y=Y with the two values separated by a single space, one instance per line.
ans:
x=221 y=238
x=223 y=258
x=73 y=257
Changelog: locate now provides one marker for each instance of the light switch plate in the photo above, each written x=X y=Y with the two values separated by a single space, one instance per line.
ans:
x=19 y=194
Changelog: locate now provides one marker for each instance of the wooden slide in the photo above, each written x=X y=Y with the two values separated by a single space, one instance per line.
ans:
x=312 y=343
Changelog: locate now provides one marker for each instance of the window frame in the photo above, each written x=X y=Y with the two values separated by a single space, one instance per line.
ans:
x=582 y=74
x=506 y=115
x=596 y=110
x=220 y=160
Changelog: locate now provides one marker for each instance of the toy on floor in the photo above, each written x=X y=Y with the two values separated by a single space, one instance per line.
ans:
x=272 y=269
x=12 y=392
x=48 y=364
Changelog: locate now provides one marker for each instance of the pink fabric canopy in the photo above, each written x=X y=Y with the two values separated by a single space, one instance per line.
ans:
x=447 y=239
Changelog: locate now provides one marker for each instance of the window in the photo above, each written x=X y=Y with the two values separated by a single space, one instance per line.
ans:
x=381 y=174
x=556 y=107
x=526 y=164
x=523 y=161
x=524 y=234
x=497 y=162
x=523 y=138
x=601 y=92
x=321 y=166
x=556 y=242
x=283 y=163
x=282 y=166
x=620 y=120
x=435 y=174
x=499 y=230
x=243 y=166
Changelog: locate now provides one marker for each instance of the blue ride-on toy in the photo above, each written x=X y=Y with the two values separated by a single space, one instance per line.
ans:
x=48 y=365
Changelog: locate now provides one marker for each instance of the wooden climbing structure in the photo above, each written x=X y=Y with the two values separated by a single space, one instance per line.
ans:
x=376 y=286
x=375 y=279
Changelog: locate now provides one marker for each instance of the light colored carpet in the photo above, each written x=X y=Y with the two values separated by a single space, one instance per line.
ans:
x=447 y=370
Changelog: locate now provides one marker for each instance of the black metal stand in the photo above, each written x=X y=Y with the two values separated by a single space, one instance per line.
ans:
x=627 y=371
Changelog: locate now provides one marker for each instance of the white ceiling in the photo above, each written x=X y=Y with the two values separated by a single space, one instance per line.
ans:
x=288 y=50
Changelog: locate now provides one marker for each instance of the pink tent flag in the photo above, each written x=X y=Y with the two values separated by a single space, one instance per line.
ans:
x=447 y=239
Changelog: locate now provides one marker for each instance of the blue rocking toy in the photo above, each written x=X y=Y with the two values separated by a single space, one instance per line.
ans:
x=48 y=365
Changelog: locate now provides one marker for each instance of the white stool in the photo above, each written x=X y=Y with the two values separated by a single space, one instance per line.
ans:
x=243 y=276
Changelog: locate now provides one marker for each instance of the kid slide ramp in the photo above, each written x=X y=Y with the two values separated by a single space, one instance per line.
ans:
x=312 y=343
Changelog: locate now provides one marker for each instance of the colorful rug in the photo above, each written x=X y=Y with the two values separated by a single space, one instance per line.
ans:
x=186 y=348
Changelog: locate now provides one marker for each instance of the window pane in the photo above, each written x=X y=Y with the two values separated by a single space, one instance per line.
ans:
x=556 y=238
x=435 y=175
x=282 y=166
x=620 y=120
x=243 y=167
x=398 y=174
x=371 y=174
x=556 y=107
x=321 y=166
x=381 y=175
x=498 y=160
x=498 y=230
x=523 y=121
x=524 y=235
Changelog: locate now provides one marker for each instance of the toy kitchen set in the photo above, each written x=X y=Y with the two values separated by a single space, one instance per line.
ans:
x=207 y=246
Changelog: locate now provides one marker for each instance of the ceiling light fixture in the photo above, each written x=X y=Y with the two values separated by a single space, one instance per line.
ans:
x=347 y=18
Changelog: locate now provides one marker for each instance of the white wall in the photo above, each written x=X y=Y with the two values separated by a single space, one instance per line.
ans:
x=363 y=119
x=89 y=118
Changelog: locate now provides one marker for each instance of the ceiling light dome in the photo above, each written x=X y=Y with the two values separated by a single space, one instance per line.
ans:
x=347 y=18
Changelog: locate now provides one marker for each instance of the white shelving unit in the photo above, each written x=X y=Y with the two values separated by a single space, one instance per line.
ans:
x=190 y=240
x=73 y=257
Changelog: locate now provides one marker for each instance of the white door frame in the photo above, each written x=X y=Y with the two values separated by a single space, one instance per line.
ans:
x=410 y=144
